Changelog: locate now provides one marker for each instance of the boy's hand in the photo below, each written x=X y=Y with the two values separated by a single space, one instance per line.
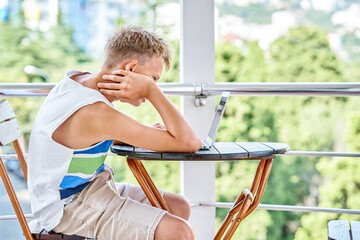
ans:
x=128 y=86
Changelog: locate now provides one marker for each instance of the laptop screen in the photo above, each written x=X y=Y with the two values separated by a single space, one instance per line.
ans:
x=217 y=118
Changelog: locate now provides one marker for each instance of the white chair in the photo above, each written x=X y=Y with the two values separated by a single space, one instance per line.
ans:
x=10 y=132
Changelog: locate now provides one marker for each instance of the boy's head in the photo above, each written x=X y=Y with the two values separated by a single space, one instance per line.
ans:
x=134 y=42
x=135 y=49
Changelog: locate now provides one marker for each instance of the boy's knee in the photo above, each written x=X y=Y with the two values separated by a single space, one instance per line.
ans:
x=172 y=227
x=184 y=208
x=178 y=205
x=186 y=232
x=184 y=203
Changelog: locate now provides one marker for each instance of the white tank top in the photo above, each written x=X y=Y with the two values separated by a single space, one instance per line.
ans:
x=50 y=165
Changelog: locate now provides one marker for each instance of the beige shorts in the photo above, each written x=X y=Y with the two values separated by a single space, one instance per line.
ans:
x=101 y=212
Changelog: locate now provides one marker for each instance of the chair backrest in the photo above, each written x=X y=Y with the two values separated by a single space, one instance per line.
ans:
x=10 y=132
x=9 y=128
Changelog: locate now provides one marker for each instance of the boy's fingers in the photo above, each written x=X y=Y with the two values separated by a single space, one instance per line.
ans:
x=114 y=78
x=121 y=72
x=115 y=93
x=110 y=85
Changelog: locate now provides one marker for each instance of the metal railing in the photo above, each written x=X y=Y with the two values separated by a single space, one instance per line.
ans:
x=213 y=89
x=288 y=208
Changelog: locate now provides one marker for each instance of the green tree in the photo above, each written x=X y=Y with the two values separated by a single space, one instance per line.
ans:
x=304 y=55
x=305 y=123
x=228 y=58
x=53 y=51
x=340 y=187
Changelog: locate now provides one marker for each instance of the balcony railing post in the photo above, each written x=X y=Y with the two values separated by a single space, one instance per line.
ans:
x=197 y=57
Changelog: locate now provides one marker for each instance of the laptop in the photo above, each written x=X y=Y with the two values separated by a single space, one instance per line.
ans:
x=207 y=144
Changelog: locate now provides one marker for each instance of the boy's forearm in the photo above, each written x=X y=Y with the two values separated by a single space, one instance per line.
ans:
x=174 y=121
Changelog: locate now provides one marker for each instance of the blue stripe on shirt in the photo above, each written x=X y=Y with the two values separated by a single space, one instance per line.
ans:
x=65 y=193
x=101 y=148
x=70 y=181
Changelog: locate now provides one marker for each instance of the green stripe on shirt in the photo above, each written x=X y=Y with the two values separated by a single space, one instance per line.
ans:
x=85 y=165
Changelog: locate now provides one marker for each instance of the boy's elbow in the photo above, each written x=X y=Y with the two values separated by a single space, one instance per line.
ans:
x=194 y=145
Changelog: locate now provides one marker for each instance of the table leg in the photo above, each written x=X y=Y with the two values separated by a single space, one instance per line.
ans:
x=245 y=203
x=152 y=186
x=147 y=184
x=243 y=206
x=261 y=188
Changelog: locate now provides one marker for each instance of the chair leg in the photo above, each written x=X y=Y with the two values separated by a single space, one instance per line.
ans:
x=237 y=220
x=229 y=217
x=14 y=201
x=21 y=157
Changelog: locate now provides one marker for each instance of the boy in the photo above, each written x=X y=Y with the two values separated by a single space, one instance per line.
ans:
x=70 y=187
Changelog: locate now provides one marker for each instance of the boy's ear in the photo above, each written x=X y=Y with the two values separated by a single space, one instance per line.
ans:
x=131 y=66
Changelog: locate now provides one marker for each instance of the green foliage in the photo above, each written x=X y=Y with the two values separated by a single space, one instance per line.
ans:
x=314 y=226
x=305 y=123
x=228 y=58
x=340 y=186
x=52 y=51
x=173 y=74
x=353 y=133
x=309 y=60
x=24 y=47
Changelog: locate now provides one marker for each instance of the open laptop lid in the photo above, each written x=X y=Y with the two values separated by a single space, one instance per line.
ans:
x=217 y=118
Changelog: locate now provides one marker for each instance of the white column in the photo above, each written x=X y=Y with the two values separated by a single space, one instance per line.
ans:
x=197 y=65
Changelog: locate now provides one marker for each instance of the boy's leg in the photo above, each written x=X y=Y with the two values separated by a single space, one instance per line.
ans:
x=100 y=212
x=177 y=204
x=170 y=227
x=173 y=228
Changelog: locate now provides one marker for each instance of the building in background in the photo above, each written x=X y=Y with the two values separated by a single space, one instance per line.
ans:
x=93 y=21
x=4 y=10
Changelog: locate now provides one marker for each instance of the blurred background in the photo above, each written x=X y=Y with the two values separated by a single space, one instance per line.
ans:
x=256 y=41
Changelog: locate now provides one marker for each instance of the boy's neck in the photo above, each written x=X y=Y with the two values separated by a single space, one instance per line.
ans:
x=91 y=81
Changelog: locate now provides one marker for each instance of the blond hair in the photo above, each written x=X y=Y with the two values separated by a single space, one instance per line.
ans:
x=136 y=42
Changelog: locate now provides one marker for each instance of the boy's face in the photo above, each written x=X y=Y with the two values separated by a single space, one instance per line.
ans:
x=151 y=67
